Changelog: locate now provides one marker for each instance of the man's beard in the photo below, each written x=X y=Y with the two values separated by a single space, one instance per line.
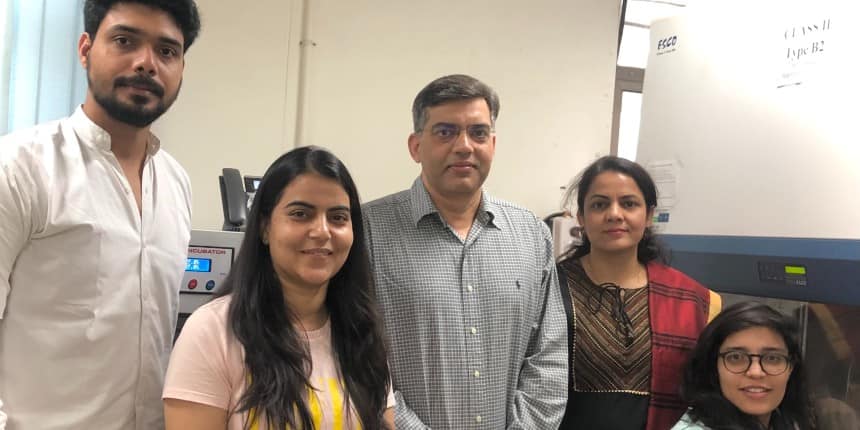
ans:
x=134 y=114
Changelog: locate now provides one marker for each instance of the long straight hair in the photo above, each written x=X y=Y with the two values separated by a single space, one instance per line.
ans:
x=276 y=358
x=701 y=383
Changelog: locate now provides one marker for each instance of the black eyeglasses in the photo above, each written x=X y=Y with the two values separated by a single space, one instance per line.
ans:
x=771 y=363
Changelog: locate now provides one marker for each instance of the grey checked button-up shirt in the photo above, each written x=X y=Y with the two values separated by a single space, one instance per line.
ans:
x=477 y=328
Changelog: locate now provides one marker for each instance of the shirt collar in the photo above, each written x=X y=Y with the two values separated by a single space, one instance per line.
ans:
x=92 y=135
x=422 y=205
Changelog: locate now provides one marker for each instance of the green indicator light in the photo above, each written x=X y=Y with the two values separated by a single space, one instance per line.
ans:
x=795 y=270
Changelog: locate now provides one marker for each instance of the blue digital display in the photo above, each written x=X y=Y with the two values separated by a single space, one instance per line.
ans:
x=198 y=265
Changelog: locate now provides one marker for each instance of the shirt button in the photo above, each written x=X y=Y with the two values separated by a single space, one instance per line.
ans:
x=477 y=374
x=474 y=330
x=469 y=288
x=478 y=419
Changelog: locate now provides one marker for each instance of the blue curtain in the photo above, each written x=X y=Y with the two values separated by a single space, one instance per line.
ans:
x=5 y=58
x=45 y=79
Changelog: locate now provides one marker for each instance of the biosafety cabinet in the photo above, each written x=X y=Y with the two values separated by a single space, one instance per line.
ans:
x=749 y=125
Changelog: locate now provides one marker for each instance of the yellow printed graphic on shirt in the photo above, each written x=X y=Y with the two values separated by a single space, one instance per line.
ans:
x=325 y=402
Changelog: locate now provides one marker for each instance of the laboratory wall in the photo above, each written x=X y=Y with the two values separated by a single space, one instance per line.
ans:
x=258 y=82
x=233 y=108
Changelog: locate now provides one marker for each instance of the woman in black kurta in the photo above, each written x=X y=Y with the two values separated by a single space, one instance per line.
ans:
x=631 y=319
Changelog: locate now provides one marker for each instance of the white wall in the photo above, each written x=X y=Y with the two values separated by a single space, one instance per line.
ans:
x=232 y=110
x=551 y=61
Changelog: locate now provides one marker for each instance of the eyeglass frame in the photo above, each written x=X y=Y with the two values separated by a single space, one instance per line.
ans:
x=436 y=128
x=788 y=361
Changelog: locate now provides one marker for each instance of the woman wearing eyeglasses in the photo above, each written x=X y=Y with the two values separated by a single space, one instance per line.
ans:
x=631 y=319
x=746 y=372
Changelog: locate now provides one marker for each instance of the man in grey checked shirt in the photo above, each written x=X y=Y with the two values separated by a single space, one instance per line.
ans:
x=466 y=282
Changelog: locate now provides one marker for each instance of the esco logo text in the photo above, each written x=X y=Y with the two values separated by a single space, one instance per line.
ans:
x=667 y=43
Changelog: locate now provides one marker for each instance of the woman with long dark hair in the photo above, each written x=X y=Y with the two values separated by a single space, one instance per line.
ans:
x=631 y=319
x=747 y=373
x=294 y=339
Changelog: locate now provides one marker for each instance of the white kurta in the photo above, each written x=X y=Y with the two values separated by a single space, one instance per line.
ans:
x=89 y=286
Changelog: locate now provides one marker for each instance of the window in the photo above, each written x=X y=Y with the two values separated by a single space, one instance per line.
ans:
x=5 y=61
x=628 y=130
x=627 y=108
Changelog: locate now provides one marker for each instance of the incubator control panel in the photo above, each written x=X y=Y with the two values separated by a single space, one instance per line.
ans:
x=205 y=269
x=210 y=258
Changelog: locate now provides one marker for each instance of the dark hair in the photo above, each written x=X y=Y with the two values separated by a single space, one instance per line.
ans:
x=649 y=247
x=183 y=12
x=276 y=358
x=701 y=384
x=449 y=89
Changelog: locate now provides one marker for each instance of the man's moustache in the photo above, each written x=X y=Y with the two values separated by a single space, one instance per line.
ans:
x=140 y=81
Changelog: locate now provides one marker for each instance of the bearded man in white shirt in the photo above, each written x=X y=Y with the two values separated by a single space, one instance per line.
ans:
x=95 y=221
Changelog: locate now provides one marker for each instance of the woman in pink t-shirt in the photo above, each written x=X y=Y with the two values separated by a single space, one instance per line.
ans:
x=294 y=339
